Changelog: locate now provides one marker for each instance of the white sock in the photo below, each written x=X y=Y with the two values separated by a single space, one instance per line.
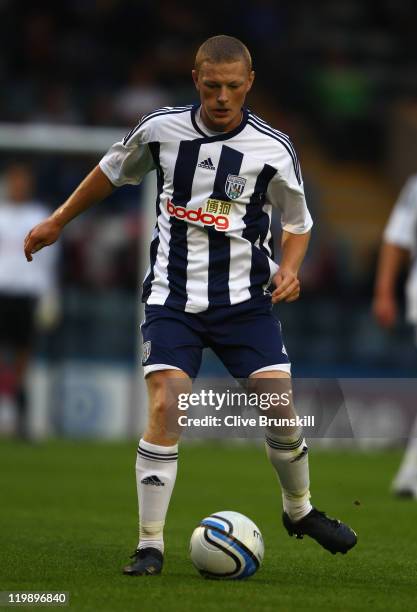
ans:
x=289 y=456
x=156 y=470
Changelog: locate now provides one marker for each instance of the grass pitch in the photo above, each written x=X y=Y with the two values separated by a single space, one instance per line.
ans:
x=68 y=523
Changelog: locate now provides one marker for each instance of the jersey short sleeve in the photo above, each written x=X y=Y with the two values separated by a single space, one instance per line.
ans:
x=286 y=192
x=402 y=225
x=127 y=161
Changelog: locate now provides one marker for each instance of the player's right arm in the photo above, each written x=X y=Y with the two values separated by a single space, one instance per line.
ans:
x=94 y=188
x=125 y=163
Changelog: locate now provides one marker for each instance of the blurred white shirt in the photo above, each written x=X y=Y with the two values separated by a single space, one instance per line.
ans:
x=401 y=230
x=17 y=276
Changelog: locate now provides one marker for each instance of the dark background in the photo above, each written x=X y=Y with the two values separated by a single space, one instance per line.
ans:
x=338 y=77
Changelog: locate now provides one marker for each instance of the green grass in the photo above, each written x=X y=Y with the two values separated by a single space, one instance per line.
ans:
x=68 y=523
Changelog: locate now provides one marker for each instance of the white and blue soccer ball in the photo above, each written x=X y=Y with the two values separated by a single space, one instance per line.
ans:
x=227 y=545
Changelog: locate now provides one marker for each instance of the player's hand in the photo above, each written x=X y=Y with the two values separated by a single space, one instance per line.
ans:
x=287 y=286
x=40 y=236
x=384 y=308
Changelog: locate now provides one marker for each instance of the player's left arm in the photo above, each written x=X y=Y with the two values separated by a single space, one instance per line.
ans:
x=286 y=192
x=293 y=250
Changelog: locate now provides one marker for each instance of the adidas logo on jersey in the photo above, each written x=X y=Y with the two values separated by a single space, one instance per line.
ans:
x=207 y=164
x=153 y=480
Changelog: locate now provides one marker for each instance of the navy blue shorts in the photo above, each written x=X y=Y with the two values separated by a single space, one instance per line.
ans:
x=246 y=337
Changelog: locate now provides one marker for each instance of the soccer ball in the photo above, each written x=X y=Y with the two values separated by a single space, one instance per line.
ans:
x=227 y=545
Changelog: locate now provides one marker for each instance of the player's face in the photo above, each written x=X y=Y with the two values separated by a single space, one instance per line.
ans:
x=19 y=182
x=222 y=88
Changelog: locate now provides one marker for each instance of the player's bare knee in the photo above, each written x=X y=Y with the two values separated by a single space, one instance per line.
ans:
x=158 y=410
x=275 y=400
x=163 y=424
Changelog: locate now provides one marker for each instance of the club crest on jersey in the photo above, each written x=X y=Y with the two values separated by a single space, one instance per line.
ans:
x=234 y=186
x=146 y=351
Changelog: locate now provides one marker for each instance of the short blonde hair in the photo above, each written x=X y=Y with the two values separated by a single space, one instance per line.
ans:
x=222 y=48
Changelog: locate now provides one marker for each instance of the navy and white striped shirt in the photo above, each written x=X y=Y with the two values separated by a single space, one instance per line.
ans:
x=212 y=243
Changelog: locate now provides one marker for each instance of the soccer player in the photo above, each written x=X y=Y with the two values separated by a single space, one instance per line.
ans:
x=27 y=296
x=399 y=248
x=220 y=169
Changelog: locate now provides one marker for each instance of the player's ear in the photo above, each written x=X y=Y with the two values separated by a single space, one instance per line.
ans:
x=195 y=79
x=251 y=80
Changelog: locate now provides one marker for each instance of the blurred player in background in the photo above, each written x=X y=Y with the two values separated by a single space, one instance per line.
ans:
x=220 y=169
x=398 y=250
x=27 y=296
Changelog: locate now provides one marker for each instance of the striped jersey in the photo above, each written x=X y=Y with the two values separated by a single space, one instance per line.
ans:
x=212 y=243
